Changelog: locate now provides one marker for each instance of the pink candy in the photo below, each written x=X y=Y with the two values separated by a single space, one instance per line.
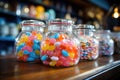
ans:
x=27 y=48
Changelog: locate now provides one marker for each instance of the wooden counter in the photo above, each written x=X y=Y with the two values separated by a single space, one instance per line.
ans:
x=10 y=69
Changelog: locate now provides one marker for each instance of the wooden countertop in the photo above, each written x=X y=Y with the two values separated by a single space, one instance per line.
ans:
x=10 y=69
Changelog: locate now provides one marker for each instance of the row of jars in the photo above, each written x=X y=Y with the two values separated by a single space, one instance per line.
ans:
x=63 y=44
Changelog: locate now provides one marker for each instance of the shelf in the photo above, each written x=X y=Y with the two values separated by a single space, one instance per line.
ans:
x=7 y=38
x=49 y=7
x=11 y=69
x=3 y=11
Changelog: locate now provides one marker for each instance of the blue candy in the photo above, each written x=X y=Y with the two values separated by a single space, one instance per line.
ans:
x=26 y=52
x=56 y=35
x=36 y=41
x=43 y=58
x=20 y=47
x=52 y=36
x=36 y=46
x=30 y=59
x=33 y=55
x=65 y=53
x=28 y=33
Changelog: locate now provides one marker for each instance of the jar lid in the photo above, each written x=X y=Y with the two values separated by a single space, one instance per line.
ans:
x=84 y=26
x=60 y=22
x=103 y=31
x=32 y=23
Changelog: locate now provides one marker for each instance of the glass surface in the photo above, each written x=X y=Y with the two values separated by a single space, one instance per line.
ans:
x=60 y=47
x=89 y=45
x=29 y=40
x=106 y=44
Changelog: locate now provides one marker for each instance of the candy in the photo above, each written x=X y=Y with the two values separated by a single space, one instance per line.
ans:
x=43 y=58
x=28 y=33
x=26 y=52
x=64 y=53
x=106 y=47
x=52 y=63
x=33 y=55
x=56 y=35
x=59 y=50
x=28 y=46
x=36 y=46
x=37 y=52
x=54 y=58
x=88 y=48
x=57 y=44
x=20 y=47
x=20 y=53
x=30 y=59
x=39 y=36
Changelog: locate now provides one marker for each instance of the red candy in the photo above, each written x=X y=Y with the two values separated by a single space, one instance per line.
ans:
x=61 y=51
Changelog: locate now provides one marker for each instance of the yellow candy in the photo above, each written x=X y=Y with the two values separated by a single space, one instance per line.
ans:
x=45 y=47
x=20 y=53
x=24 y=38
x=19 y=43
x=52 y=63
x=51 y=48
x=37 y=52
x=39 y=36
x=71 y=55
x=71 y=63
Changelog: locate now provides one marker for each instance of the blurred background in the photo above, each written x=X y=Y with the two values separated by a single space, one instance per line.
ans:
x=104 y=14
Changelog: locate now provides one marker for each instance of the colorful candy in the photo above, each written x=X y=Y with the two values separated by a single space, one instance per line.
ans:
x=59 y=50
x=88 y=48
x=106 y=47
x=28 y=46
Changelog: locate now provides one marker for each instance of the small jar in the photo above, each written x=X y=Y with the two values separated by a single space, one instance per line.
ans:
x=106 y=44
x=28 y=41
x=89 y=45
x=60 y=47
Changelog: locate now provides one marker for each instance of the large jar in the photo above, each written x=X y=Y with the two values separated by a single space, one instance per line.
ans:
x=60 y=47
x=106 y=44
x=89 y=45
x=28 y=41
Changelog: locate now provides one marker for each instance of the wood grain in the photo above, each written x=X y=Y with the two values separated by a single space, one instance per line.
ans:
x=10 y=69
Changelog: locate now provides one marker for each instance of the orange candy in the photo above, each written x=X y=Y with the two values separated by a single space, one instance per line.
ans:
x=34 y=33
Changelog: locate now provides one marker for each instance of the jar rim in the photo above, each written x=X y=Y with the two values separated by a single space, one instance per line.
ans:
x=84 y=26
x=103 y=31
x=33 y=23
x=60 y=22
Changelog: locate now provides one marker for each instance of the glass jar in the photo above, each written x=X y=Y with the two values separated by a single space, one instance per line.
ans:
x=116 y=38
x=28 y=41
x=60 y=47
x=106 y=44
x=89 y=45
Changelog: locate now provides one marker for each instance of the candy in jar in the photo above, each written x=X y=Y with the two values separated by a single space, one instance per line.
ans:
x=60 y=46
x=89 y=45
x=106 y=44
x=28 y=41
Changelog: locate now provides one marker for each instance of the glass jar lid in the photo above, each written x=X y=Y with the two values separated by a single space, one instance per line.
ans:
x=104 y=31
x=84 y=26
x=32 y=23
x=60 y=22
